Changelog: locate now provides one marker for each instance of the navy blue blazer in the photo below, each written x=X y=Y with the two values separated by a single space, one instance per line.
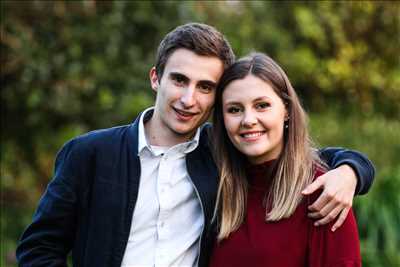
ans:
x=88 y=205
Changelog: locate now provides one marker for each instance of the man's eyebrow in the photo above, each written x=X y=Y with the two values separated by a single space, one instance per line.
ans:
x=209 y=83
x=177 y=74
x=184 y=77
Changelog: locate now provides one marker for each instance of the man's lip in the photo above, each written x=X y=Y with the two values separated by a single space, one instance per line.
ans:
x=184 y=113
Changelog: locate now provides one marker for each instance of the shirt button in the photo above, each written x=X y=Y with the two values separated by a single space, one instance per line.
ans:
x=162 y=224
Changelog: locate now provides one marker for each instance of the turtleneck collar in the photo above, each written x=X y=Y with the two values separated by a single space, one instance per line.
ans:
x=260 y=175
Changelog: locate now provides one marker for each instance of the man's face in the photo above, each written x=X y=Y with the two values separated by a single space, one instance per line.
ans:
x=185 y=93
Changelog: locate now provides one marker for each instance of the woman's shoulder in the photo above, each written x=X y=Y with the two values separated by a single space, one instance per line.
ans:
x=318 y=171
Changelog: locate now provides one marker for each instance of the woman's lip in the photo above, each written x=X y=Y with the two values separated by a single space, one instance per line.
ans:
x=252 y=136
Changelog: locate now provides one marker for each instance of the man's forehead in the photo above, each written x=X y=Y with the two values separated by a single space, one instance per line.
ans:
x=194 y=66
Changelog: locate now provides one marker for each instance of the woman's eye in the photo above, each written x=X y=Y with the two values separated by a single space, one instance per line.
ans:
x=233 y=110
x=263 y=105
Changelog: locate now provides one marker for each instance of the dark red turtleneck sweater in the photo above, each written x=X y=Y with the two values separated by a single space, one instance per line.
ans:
x=291 y=242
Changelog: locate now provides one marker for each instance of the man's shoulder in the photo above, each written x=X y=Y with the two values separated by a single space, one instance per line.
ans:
x=206 y=126
x=205 y=130
x=101 y=139
x=101 y=136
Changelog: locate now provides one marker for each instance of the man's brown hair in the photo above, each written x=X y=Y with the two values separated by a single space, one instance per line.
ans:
x=199 y=38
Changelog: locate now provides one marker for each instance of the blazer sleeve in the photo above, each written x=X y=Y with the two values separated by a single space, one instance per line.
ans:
x=49 y=238
x=362 y=166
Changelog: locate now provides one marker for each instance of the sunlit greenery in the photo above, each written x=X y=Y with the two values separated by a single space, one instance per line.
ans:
x=70 y=67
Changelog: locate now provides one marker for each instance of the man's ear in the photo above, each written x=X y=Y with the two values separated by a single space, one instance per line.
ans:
x=154 y=79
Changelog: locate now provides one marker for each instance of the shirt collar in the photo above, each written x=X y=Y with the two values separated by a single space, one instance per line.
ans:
x=185 y=147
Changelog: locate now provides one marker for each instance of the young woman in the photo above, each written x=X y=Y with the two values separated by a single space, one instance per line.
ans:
x=266 y=159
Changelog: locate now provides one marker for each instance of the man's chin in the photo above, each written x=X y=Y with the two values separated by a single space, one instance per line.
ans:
x=185 y=131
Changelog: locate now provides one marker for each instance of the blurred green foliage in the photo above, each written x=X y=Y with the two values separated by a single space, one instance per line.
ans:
x=70 y=67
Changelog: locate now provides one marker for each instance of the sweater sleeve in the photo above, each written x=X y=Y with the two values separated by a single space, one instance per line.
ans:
x=361 y=165
x=335 y=249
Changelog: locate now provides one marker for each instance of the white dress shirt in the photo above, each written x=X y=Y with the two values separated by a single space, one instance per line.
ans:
x=168 y=218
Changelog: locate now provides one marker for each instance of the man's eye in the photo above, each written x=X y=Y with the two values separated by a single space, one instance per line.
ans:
x=179 y=80
x=233 y=110
x=206 y=88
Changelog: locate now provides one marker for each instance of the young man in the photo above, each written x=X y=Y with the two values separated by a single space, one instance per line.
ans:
x=144 y=194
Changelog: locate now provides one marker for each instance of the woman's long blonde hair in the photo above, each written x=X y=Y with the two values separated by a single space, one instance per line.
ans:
x=295 y=165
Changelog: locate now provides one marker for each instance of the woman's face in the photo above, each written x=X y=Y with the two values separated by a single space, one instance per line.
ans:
x=254 y=118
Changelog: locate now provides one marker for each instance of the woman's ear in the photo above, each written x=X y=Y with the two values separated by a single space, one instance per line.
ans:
x=287 y=116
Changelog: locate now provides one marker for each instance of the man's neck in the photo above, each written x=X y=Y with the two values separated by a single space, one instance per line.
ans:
x=158 y=134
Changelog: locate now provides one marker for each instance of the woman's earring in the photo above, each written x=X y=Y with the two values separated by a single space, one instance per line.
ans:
x=286 y=123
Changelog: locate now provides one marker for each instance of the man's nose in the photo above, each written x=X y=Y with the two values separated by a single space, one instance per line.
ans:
x=188 y=99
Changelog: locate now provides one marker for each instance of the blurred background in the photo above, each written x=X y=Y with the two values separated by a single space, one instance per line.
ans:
x=71 y=67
